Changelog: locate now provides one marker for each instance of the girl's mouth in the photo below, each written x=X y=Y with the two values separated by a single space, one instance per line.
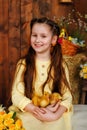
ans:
x=38 y=45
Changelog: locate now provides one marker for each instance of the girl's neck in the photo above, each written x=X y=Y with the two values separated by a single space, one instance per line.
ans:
x=43 y=57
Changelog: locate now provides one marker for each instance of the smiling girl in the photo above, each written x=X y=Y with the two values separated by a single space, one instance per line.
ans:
x=43 y=70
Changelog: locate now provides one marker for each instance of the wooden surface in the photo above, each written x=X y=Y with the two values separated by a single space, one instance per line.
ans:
x=15 y=16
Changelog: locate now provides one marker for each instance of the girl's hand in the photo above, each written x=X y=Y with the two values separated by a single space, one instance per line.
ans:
x=53 y=107
x=32 y=108
x=46 y=115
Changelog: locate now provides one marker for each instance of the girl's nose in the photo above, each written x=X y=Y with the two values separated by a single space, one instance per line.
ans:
x=37 y=39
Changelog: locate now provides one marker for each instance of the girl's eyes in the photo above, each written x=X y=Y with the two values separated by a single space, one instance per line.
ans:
x=34 y=35
x=43 y=36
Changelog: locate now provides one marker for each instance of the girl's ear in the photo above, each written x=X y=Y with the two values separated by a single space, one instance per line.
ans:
x=54 y=40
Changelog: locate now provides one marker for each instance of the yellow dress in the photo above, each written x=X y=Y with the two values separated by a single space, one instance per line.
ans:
x=20 y=101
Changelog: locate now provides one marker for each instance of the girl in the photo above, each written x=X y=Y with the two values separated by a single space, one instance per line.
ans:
x=43 y=70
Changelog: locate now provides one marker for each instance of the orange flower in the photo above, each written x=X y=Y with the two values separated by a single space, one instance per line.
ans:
x=2 y=112
x=18 y=123
x=12 y=127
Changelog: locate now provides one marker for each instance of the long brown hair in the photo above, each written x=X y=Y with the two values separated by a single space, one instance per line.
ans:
x=56 y=62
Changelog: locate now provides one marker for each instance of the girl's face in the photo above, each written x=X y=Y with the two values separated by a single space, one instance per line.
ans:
x=41 y=38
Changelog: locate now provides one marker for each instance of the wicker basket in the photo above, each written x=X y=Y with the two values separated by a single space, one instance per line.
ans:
x=68 y=48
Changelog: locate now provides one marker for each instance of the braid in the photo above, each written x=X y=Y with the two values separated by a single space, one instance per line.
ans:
x=54 y=26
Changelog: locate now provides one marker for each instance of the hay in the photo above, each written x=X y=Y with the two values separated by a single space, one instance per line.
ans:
x=74 y=68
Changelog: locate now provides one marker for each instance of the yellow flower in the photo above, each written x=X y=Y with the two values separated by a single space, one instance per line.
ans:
x=8 y=115
x=83 y=71
x=7 y=122
x=1 y=120
x=12 y=127
x=2 y=127
x=18 y=124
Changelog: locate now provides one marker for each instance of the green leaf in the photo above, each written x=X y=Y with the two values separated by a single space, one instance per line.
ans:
x=14 y=115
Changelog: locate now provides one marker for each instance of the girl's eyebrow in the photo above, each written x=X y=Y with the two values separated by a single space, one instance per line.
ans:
x=40 y=33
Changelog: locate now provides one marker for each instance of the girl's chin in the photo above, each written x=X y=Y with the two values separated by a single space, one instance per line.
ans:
x=38 y=49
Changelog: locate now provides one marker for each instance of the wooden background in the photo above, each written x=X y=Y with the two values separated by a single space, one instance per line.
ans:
x=15 y=16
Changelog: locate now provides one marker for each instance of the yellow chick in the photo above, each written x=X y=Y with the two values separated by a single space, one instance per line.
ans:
x=62 y=33
x=55 y=97
x=35 y=100
x=45 y=100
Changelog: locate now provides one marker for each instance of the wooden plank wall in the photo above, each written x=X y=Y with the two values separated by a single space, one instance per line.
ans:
x=4 y=69
x=15 y=16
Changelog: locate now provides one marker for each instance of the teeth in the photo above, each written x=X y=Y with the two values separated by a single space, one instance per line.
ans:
x=37 y=45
